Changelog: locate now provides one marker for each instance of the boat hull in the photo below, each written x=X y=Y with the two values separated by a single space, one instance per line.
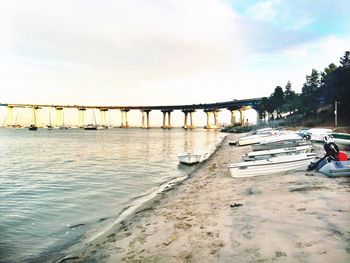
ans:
x=336 y=169
x=274 y=165
x=189 y=159
x=279 y=145
x=253 y=139
x=260 y=155
x=341 y=138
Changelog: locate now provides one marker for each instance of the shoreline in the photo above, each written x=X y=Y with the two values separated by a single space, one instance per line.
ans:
x=137 y=206
x=212 y=217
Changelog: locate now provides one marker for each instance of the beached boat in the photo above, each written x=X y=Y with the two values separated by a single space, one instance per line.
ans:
x=286 y=140
x=336 y=168
x=340 y=138
x=260 y=155
x=317 y=134
x=254 y=139
x=279 y=145
x=189 y=158
x=273 y=165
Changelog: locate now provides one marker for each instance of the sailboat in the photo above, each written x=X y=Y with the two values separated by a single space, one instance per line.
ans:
x=91 y=126
x=62 y=127
x=32 y=126
x=49 y=126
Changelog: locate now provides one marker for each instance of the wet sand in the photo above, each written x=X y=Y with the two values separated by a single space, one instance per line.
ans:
x=212 y=217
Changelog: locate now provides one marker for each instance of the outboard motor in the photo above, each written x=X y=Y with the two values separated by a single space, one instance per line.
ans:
x=332 y=151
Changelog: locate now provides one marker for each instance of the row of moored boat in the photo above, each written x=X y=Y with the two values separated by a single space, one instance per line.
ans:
x=276 y=151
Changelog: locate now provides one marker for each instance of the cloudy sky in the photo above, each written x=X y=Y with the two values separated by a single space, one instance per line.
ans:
x=151 y=52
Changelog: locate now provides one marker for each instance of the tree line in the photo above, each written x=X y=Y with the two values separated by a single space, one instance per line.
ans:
x=319 y=93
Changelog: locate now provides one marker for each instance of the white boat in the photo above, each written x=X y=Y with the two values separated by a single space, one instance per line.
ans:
x=260 y=155
x=336 y=168
x=318 y=134
x=189 y=158
x=286 y=140
x=272 y=165
x=339 y=138
x=253 y=139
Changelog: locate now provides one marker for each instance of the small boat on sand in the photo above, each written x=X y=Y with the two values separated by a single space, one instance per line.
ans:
x=336 y=168
x=317 y=134
x=272 y=165
x=279 y=145
x=189 y=158
x=340 y=138
x=253 y=139
x=284 y=140
x=260 y=155
x=335 y=163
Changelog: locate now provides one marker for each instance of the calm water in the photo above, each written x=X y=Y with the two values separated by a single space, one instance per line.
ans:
x=56 y=186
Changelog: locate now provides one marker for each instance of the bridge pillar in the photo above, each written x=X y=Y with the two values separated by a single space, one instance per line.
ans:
x=216 y=118
x=9 y=117
x=191 y=119
x=186 y=113
x=145 y=119
x=215 y=115
x=166 y=113
x=125 y=120
x=81 y=117
x=59 y=117
x=233 y=117
x=244 y=122
x=208 y=119
x=103 y=115
x=185 y=120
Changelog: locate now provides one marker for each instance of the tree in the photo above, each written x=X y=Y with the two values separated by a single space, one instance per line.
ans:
x=311 y=93
x=277 y=100
x=345 y=60
x=289 y=99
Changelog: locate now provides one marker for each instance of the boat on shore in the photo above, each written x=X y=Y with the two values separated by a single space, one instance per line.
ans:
x=339 y=138
x=274 y=165
x=260 y=155
x=336 y=168
x=189 y=158
x=316 y=134
x=254 y=139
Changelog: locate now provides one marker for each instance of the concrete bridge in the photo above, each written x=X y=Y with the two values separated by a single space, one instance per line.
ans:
x=211 y=109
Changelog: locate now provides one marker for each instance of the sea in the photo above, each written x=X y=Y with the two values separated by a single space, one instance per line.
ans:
x=57 y=187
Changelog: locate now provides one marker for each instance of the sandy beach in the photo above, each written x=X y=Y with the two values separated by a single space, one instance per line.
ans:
x=212 y=217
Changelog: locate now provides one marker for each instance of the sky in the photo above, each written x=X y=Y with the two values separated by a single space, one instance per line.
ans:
x=164 y=52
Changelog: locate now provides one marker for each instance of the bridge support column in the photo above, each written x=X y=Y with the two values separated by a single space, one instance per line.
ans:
x=103 y=117
x=244 y=122
x=125 y=120
x=145 y=119
x=208 y=119
x=59 y=117
x=166 y=113
x=9 y=117
x=233 y=117
x=185 y=121
x=215 y=115
x=81 y=117
x=216 y=118
x=188 y=113
x=191 y=119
